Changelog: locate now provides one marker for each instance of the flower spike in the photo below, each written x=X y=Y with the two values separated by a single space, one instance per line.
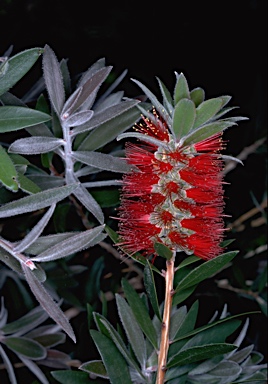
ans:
x=174 y=193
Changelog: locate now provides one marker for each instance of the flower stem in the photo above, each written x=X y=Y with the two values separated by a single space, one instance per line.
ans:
x=164 y=343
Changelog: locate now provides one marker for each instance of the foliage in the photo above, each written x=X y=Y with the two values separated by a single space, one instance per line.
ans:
x=57 y=197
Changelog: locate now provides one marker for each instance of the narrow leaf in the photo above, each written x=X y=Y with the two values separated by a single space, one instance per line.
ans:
x=183 y=118
x=53 y=79
x=84 y=91
x=162 y=250
x=13 y=118
x=118 y=373
x=36 y=231
x=102 y=161
x=33 y=367
x=71 y=377
x=48 y=303
x=205 y=270
x=206 y=110
x=181 y=90
x=27 y=322
x=203 y=352
x=8 y=173
x=37 y=201
x=71 y=245
x=95 y=367
x=197 y=95
x=27 y=185
x=34 y=145
x=108 y=131
x=79 y=118
x=89 y=203
x=149 y=284
x=182 y=294
x=106 y=115
x=140 y=312
x=8 y=366
x=26 y=347
x=167 y=98
x=159 y=107
x=17 y=66
x=206 y=131
x=132 y=329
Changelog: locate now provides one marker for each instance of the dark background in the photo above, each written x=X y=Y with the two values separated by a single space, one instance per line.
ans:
x=218 y=45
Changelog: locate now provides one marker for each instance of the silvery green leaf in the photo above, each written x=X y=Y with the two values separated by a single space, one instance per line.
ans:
x=226 y=157
x=206 y=110
x=25 y=347
x=205 y=131
x=226 y=368
x=65 y=76
x=8 y=172
x=87 y=170
x=104 y=183
x=34 y=92
x=183 y=118
x=8 y=366
x=176 y=321
x=159 y=107
x=10 y=261
x=26 y=185
x=109 y=130
x=89 y=203
x=105 y=116
x=17 y=66
x=205 y=366
x=53 y=79
x=79 y=118
x=95 y=367
x=181 y=90
x=241 y=355
x=71 y=245
x=3 y=313
x=34 y=145
x=240 y=338
x=33 y=367
x=44 y=242
x=102 y=161
x=80 y=96
x=142 y=137
x=13 y=118
x=99 y=64
x=197 y=95
x=37 y=201
x=32 y=319
x=45 y=182
x=132 y=329
x=109 y=101
x=36 y=130
x=48 y=303
x=36 y=231
x=111 y=87
x=167 y=98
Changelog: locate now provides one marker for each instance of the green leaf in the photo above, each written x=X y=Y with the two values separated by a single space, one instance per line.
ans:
x=181 y=90
x=106 y=198
x=118 y=373
x=71 y=377
x=35 y=145
x=27 y=185
x=37 y=201
x=183 y=118
x=149 y=284
x=102 y=161
x=162 y=250
x=206 y=131
x=17 y=66
x=8 y=173
x=182 y=295
x=27 y=322
x=50 y=340
x=188 y=323
x=206 y=110
x=95 y=367
x=167 y=98
x=194 y=354
x=140 y=312
x=132 y=329
x=205 y=270
x=26 y=347
x=197 y=95
x=13 y=118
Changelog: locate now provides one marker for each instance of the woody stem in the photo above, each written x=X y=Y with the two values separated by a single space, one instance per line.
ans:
x=164 y=343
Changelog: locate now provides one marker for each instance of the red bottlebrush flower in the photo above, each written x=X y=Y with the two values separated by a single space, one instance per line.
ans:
x=175 y=193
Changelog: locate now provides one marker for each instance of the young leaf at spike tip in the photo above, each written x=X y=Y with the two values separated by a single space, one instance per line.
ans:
x=197 y=95
x=181 y=90
x=140 y=312
x=206 y=110
x=17 y=66
x=149 y=284
x=8 y=173
x=118 y=373
x=183 y=118
x=13 y=118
